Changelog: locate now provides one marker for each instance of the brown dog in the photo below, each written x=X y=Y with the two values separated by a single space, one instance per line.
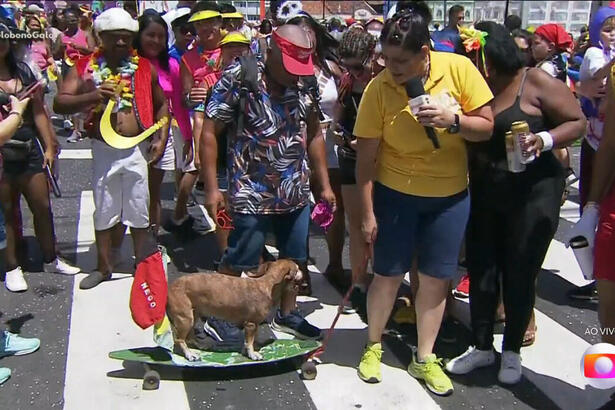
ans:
x=243 y=301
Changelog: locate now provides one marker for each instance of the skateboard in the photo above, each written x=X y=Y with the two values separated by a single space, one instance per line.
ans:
x=276 y=351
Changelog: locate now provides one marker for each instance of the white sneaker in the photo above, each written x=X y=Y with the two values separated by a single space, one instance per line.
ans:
x=59 y=265
x=510 y=368
x=68 y=124
x=470 y=360
x=15 y=281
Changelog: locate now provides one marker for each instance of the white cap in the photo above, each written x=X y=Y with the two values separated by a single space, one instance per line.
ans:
x=115 y=19
x=180 y=12
x=33 y=8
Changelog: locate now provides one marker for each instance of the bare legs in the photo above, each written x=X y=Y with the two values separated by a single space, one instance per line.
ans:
x=155 y=182
x=352 y=207
x=185 y=188
x=337 y=231
x=430 y=304
x=35 y=190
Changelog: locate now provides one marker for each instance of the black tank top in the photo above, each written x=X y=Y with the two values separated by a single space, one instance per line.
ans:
x=493 y=152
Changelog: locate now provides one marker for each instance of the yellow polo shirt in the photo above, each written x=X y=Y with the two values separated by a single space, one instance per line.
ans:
x=407 y=160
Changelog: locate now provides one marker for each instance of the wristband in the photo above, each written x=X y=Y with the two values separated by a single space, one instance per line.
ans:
x=547 y=140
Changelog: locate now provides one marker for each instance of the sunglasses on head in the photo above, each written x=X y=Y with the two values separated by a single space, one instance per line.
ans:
x=224 y=220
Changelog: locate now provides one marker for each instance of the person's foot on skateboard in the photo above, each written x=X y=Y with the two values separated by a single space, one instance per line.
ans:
x=223 y=331
x=295 y=324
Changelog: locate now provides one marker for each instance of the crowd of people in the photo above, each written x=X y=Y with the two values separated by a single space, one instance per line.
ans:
x=275 y=118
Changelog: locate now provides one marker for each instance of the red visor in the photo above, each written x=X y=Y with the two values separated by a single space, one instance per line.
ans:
x=297 y=60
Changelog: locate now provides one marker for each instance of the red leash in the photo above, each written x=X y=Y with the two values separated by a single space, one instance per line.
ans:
x=340 y=308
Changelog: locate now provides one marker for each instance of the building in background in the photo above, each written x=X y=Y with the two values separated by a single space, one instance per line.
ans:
x=249 y=9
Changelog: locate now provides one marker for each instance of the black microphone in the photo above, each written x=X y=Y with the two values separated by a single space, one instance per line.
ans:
x=414 y=89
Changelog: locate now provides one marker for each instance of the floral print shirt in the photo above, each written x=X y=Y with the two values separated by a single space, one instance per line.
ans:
x=267 y=168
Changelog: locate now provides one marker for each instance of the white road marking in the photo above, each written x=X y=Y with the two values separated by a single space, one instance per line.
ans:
x=75 y=154
x=570 y=211
x=552 y=363
x=101 y=322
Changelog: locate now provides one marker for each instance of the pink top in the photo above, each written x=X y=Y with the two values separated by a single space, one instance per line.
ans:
x=39 y=52
x=171 y=85
x=201 y=62
x=79 y=38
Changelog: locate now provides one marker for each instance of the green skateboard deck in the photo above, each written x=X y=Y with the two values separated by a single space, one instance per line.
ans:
x=280 y=349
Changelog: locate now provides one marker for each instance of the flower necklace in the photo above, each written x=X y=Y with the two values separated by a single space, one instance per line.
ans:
x=125 y=73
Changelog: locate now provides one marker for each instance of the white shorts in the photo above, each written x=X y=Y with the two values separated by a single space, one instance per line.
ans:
x=167 y=161
x=119 y=181
x=178 y=142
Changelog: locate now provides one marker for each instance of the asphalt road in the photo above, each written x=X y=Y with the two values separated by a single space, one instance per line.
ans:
x=79 y=328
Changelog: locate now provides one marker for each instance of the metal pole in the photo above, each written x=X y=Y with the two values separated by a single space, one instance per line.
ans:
x=506 y=9
x=323 y=9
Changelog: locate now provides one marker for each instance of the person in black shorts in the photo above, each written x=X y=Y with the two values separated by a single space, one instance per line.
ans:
x=357 y=54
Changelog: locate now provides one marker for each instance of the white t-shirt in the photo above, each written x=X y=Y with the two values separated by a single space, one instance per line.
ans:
x=593 y=61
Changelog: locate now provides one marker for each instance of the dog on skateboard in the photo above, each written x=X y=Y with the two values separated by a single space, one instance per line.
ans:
x=242 y=301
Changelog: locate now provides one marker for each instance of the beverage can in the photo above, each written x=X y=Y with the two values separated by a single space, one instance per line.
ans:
x=512 y=156
x=521 y=133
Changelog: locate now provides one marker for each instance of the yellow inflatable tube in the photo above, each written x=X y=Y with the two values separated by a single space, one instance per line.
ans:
x=118 y=141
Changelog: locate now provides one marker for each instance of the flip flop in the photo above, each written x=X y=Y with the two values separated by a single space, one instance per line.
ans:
x=93 y=279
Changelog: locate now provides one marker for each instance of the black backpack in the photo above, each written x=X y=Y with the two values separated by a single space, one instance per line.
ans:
x=248 y=80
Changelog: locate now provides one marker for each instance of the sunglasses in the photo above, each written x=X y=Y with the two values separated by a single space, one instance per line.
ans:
x=224 y=220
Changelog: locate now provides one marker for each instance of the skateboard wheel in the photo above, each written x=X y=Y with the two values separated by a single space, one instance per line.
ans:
x=308 y=370
x=151 y=380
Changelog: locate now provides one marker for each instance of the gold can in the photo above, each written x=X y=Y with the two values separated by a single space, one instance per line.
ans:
x=521 y=132
x=518 y=127
x=513 y=156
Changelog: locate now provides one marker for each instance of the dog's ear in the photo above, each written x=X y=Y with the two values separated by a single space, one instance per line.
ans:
x=262 y=269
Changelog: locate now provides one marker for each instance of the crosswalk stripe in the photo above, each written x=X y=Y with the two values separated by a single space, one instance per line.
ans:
x=87 y=382
x=75 y=154
x=570 y=211
x=398 y=389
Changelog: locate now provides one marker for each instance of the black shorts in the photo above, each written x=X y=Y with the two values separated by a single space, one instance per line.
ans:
x=347 y=165
x=32 y=164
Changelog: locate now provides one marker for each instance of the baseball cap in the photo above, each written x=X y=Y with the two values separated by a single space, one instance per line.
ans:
x=297 y=60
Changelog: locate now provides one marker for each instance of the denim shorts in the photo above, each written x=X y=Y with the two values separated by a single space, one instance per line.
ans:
x=247 y=239
x=428 y=227
x=2 y=231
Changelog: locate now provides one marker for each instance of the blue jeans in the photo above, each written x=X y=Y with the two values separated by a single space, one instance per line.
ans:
x=246 y=241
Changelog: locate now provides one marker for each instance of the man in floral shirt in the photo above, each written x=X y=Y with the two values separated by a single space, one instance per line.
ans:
x=268 y=168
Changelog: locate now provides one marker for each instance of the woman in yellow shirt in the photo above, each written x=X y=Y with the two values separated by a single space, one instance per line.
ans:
x=414 y=196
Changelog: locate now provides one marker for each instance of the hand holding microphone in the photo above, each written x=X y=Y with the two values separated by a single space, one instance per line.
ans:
x=428 y=113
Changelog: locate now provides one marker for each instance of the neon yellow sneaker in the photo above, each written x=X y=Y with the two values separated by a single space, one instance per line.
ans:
x=431 y=372
x=369 y=368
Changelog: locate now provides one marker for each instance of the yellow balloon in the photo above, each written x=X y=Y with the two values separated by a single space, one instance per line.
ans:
x=118 y=141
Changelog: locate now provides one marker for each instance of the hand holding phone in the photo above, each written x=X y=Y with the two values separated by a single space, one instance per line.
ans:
x=18 y=105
